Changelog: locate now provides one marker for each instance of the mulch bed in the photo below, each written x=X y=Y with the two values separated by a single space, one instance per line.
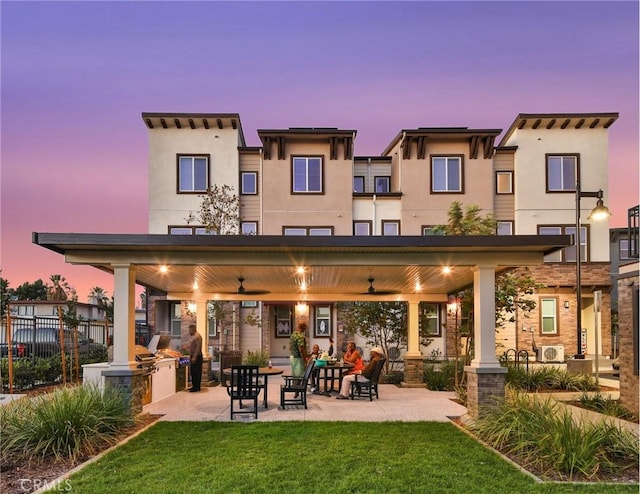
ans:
x=25 y=478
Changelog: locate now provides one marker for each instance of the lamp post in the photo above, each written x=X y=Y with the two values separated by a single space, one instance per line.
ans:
x=600 y=212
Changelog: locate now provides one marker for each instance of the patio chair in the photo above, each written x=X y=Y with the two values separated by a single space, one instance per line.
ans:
x=296 y=385
x=244 y=385
x=370 y=387
x=228 y=359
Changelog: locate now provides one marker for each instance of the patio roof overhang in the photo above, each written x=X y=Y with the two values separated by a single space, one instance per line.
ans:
x=335 y=268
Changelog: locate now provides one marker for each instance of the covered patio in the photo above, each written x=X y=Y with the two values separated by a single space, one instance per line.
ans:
x=410 y=269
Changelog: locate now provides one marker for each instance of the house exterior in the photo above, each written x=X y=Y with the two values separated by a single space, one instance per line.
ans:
x=308 y=182
x=51 y=309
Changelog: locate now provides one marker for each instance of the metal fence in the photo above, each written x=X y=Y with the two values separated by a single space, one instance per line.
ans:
x=43 y=350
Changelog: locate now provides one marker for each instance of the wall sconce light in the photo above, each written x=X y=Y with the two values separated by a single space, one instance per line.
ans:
x=566 y=304
x=301 y=308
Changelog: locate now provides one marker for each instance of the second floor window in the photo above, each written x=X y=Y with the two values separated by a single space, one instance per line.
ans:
x=249 y=227
x=382 y=185
x=390 y=228
x=568 y=254
x=311 y=231
x=190 y=230
x=623 y=249
x=358 y=184
x=562 y=172
x=362 y=228
x=249 y=183
x=504 y=182
x=504 y=227
x=193 y=173
x=446 y=174
x=307 y=175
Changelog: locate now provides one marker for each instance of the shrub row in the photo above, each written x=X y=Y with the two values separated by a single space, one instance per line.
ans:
x=70 y=422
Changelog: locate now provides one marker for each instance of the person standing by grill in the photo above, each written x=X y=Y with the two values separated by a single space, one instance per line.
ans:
x=195 y=355
x=298 y=348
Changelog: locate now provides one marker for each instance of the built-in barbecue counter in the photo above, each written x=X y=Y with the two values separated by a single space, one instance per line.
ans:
x=165 y=371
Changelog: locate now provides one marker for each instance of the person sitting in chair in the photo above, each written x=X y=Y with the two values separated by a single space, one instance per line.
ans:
x=345 y=389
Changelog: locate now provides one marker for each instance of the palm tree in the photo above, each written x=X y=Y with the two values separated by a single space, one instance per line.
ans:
x=60 y=289
x=98 y=296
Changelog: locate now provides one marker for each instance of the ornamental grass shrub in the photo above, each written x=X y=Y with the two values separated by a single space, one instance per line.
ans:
x=441 y=377
x=543 y=435
x=70 y=422
x=546 y=377
x=606 y=405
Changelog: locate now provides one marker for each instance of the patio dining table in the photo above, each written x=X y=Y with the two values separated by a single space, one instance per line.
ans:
x=264 y=372
x=341 y=367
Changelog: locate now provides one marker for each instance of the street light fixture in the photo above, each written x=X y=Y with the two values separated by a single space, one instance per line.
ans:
x=599 y=213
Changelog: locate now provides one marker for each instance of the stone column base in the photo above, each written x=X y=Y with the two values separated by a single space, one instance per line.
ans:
x=206 y=372
x=413 y=373
x=485 y=388
x=134 y=383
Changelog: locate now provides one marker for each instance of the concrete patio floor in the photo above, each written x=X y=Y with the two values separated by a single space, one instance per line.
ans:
x=394 y=404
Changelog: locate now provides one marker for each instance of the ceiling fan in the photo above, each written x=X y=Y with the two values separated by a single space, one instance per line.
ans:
x=243 y=291
x=372 y=290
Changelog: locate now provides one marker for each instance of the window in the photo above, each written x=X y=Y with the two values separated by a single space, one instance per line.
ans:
x=623 y=249
x=362 y=228
x=504 y=182
x=249 y=227
x=27 y=310
x=504 y=227
x=176 y=319
x=562 y=172
x=249 y=183
x=283 y=321
x=307 y=175
x=211 y=318
x=549 y=316
x=382 y=184
x=308 y=230
x=446 y=174
x=323 y=321
x=190 y=230
x=429 y=230
x=430 y=319
x=358 y=184
x=193 y=173
x=390 y=227
x=568 y=254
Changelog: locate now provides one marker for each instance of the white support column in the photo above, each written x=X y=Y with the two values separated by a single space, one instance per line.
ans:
x=484 y=322
x=413 y=331
x=124 y=315
x=202 y=327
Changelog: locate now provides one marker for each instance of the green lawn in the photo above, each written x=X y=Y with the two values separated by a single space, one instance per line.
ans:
x=310 y=457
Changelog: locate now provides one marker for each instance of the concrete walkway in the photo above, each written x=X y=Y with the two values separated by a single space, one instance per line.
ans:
x=394 y=404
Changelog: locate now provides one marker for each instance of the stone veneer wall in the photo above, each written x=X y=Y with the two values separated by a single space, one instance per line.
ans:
x=628 y=285
x=413 y=372
x=485 y=388
x=133 y=383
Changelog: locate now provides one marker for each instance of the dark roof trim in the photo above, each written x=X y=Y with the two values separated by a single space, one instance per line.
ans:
x=320 y=131
x=194 y=121
x=62 y=242
x=560 y=121
x=462 y=132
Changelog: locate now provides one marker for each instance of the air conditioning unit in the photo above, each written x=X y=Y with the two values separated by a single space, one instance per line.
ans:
x=553 y=353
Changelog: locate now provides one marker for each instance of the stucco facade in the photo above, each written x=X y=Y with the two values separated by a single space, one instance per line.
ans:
x=398 y=193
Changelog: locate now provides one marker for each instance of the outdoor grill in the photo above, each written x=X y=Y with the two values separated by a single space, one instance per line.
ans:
x=146 y=360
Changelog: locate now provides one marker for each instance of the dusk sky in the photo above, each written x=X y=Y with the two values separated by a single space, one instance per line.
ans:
x=76 y=76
